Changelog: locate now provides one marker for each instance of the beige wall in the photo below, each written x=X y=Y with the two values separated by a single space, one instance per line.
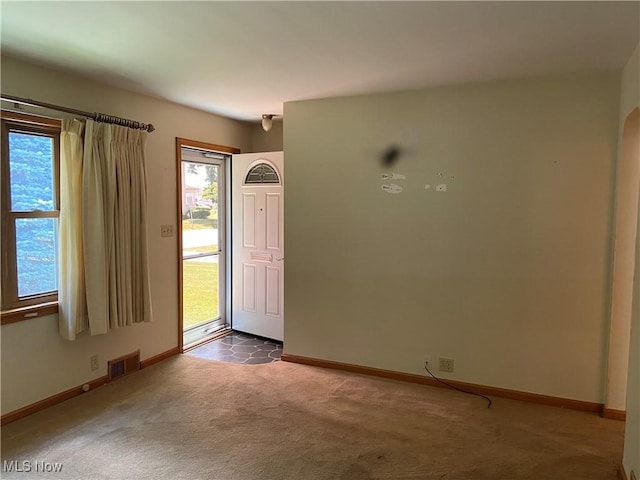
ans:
x=508 y=272
x=270 y=141
x=630 y=100
x=624 y=234
x=36 y=362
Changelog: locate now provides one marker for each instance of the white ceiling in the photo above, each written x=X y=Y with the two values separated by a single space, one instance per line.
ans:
x=242 y=59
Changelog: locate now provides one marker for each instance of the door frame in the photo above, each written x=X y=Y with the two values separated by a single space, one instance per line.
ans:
x=180 y=143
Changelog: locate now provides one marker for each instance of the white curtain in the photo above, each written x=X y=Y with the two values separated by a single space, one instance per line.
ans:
x=114 y=227
x=71 y=298
x=129 y=293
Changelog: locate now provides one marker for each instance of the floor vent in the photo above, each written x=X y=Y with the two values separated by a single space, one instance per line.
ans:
x=124 y=365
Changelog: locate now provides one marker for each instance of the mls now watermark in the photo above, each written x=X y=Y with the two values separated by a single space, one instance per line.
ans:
x=27 y=466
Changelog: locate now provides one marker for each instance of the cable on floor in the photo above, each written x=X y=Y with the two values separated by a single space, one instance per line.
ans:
x=456 y=388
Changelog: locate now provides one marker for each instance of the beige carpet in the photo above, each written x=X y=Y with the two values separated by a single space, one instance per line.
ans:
x=189 y=418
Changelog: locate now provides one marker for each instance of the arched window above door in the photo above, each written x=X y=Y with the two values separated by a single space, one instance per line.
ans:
x=260 y=174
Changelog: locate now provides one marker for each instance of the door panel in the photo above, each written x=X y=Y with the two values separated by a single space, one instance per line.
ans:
x=273 y=291
x=274 y=210
x=249 y=220
x=258 y=244
x=249 y=289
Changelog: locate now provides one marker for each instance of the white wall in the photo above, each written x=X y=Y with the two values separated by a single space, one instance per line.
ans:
x=36 y=362
x=629 y=100
x=508 y=272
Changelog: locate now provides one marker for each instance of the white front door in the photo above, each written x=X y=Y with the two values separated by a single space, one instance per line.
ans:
x=258 y=244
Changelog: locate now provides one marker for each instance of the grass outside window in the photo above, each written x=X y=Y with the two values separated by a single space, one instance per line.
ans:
x=200 y=291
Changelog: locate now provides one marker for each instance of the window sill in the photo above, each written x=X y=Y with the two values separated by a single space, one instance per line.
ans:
x=27 y=313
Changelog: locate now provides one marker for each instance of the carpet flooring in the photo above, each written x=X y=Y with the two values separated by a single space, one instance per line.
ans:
x=191 y=418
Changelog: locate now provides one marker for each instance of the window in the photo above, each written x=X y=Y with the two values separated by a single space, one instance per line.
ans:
x=261 y=173
x=30 y=209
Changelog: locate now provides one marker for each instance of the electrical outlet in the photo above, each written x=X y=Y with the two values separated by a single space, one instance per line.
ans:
x=445 y=364
x=166 y=230
x=95 y=364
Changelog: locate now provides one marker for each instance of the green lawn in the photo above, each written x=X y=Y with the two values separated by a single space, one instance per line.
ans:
x=200 y=292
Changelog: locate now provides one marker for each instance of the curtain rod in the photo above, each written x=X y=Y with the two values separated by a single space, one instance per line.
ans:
x=98 y=117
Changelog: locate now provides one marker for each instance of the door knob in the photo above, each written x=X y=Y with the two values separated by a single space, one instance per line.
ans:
x=279 y=259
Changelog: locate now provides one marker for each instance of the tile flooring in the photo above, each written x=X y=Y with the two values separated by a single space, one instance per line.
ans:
x=240 y=347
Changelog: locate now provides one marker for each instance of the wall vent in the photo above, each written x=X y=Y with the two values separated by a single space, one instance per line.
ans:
x=124 y=365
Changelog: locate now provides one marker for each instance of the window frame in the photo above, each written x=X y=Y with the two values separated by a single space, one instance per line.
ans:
x=14 y=307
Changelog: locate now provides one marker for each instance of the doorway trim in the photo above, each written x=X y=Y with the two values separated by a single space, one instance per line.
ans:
x=183 y=142
x=625 y=233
